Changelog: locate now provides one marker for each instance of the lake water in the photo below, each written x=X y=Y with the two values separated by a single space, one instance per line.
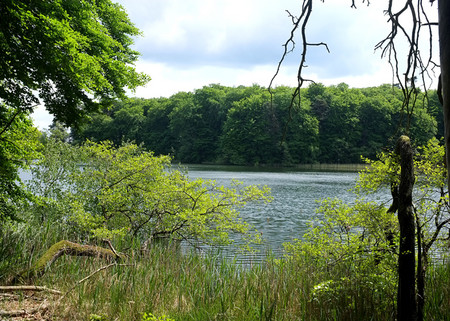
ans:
x=295 y=196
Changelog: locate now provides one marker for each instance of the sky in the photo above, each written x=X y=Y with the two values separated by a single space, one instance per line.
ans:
x=188 y=44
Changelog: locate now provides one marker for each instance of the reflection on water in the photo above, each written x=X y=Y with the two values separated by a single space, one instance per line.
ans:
x=294 y=204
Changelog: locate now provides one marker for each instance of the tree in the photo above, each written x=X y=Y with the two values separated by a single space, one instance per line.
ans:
x=128 y=192
x=419 y=64
x=72 y=56
x=416 y=65
x=18 y=147
x=444 y=91
x=249 y=136
x=364 y=237
x=407 y=302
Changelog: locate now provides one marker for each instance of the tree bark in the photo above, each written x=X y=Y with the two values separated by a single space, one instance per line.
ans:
x=406 y=295
x=444 y=51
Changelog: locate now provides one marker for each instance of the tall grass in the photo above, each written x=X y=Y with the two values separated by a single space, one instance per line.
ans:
x=165 y=281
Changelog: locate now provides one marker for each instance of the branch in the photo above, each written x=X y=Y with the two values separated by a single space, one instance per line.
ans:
x=28 y=288
x=67 y=248
x=89 y=276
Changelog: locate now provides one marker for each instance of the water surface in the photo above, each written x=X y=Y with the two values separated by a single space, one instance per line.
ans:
x=295 y=195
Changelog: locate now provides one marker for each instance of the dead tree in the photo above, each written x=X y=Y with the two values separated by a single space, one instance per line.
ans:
x=406 y=294
x=417 y=67
x=444 y=90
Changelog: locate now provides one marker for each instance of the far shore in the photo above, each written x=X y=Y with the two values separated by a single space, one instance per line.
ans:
x=300 y=167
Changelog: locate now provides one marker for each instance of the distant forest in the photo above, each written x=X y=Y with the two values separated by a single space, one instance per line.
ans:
x=249 y=126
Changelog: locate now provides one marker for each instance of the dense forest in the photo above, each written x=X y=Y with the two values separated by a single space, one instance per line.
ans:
x=250 y=126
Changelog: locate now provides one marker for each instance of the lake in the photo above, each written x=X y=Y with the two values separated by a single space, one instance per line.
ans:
x=295 y=195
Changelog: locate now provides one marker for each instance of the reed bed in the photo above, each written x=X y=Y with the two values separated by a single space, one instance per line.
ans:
x=189 y=286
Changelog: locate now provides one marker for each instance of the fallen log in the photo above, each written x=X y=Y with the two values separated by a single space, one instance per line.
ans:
x=65 y=247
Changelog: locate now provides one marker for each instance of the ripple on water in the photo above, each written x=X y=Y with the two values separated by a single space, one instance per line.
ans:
x=294 y=204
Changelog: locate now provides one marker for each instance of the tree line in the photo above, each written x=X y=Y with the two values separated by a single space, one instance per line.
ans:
x=250 y=126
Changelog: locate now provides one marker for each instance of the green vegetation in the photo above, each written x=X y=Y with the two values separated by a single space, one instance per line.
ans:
x=127 y=192
x=189 y=287
x=247 y=126
x=76 y=57
x=345 y=267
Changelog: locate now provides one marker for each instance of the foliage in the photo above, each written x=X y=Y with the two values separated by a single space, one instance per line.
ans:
x=126 y=191
x=363 y=237
x=71 y=56
x=51 y=178
x=189 y=286
x=150 y=317
x=18 y=147
x=360 y=239
x=65 y=53
x=248 y=126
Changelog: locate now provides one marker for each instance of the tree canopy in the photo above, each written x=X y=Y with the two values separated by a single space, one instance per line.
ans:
x=245 y=126
x=73 y=57
x=70 y=55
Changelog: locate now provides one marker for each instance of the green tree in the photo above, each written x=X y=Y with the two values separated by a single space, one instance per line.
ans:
x=18 y=147
x=249 y=136
x=377 y=125
x=298 y=128
x=185 y=117
x=339 y=128
x=72 y=56
x=127 y=121
x=128 y=192
x=156 y=134
x=75 y=56
x=214 y=108
x=364 y=237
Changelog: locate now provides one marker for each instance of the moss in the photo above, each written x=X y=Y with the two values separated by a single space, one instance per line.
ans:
x=65 y=247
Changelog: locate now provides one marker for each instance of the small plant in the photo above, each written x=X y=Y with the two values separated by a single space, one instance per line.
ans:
x=96 y=317
x=150 y=317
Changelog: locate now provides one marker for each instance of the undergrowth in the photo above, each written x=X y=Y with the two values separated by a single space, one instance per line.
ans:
x=167 y=284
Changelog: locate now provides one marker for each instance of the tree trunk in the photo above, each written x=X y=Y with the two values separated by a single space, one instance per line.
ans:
x=406 y=295
x=444 y=48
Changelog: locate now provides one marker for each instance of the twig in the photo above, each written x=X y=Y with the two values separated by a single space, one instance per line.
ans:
x=18 y=313
x=90 y=275
x=112 y=248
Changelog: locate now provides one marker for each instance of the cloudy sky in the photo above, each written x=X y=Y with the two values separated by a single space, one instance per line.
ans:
x=188 y=44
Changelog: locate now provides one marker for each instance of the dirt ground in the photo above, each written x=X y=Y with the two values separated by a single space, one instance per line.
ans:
x=27 y=305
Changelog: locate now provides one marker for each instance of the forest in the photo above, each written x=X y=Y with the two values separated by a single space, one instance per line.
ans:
x=252 y=126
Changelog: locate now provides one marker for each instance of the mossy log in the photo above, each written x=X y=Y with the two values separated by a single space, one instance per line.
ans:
x=65 y=247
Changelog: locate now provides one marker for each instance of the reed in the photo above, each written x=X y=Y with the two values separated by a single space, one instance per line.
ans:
x=188 y=286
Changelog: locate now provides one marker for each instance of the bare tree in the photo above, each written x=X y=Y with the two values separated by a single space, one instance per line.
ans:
x=420 y=68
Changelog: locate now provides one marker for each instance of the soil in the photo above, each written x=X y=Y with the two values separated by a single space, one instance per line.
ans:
x=25 y=306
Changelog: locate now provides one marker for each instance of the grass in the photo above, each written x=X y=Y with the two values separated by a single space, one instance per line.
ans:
x=166 y=282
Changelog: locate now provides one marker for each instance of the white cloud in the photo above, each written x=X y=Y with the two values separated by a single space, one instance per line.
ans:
x=188 y=44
